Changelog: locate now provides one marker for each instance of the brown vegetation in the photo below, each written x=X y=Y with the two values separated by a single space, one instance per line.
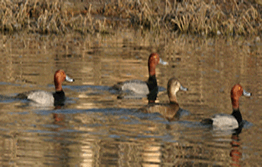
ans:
x=205 y=17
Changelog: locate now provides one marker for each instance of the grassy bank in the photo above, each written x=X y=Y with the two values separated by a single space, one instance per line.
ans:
x=204 y=17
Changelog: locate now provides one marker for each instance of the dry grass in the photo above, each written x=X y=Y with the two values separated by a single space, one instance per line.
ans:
x=227 y=17
x=204 y=17
x=43 y=17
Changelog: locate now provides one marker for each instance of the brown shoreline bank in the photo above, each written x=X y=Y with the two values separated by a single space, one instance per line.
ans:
x=235 y=17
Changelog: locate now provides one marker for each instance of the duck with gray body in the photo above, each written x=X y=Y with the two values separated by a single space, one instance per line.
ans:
x=142 y=87
x=45 y=98
x=226 y=121
x=135 y=86
x=222 y=121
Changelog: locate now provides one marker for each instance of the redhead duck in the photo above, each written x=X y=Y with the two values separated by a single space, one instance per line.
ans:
x=46 y=98
x=226 y=121
x=170 y=111
x=142 y=87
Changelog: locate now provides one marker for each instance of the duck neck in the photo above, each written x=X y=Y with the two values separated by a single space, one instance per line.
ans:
x=236 y=113
x=59 y=97
x=172 y=98
x=152 y=82
x=58 y=86
x=153 y=89
x=151 y=69
x=235 y=103
x=60 y=92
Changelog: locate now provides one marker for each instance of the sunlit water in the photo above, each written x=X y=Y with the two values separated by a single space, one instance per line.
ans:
x=95 y=128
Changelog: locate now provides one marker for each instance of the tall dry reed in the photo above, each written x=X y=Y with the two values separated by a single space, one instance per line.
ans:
x=204 y=17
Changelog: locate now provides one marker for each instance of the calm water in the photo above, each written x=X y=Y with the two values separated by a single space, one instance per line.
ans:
x=95 y=128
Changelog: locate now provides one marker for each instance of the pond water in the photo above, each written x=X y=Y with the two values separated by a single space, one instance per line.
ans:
x=95 y=128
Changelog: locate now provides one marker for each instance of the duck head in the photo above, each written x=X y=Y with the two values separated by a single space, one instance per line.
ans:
x=59 y=77
x=153 y=61
x=236 y=92
x=173 y=86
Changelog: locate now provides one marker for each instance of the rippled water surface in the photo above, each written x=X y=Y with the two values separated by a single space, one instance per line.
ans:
x=95 y=128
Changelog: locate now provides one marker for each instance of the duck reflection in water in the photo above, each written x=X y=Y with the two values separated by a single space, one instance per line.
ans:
x=235 y=153
x=58 y=118
x=170 y=111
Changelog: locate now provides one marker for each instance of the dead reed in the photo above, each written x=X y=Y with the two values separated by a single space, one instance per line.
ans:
x=204 y=17
x=43 y=17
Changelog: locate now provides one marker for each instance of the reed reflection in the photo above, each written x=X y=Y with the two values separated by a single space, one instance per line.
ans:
x=151 y=155
x=71 y=146
x=100 y=139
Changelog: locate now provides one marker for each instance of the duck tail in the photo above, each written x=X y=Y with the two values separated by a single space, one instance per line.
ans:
x=207 y=121
x=118 y=86
x=22 y=95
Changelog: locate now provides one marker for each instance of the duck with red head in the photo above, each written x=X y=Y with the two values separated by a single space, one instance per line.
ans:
x=142 y=87
x=45 y=98
x=233 y=121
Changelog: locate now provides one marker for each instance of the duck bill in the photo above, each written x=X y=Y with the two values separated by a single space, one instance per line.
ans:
x=68 y=79
x=162 y=62
x=245 y=93
x=183 y=88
